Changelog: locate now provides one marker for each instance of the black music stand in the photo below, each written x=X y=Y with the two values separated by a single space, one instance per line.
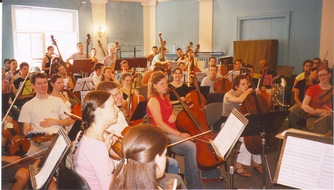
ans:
x=263 y=124
x=139 y=112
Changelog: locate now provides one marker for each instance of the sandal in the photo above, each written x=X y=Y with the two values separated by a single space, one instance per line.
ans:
x=211 y=180
x=258 y=168
x=242 y=172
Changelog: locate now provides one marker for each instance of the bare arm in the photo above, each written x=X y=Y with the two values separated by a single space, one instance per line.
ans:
x=241 y=98
x=317 y=111
x=154 y=106
x=44 y=61
x=296 y=97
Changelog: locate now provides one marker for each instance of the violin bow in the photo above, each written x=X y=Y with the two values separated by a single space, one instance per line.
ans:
x=183 y=140
x=17 y=94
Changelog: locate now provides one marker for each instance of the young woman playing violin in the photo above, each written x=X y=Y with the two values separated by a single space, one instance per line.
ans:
x=318 y=103
x=91 y=156
x=143 y=159
x=233 y=99
x=160 y=109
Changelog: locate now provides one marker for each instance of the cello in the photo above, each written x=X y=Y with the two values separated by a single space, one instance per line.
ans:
x=133 y=101
x=256 y=104
x=222 y=84
x=193 y=122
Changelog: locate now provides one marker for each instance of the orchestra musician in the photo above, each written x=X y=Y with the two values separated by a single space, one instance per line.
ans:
x=211 y=78
x=6 y=64
x=298 y=95
x=24 y=71
x=147 y=152
x=126 y=81
x=147 y=75
x=80 y=55
x=212 y=62
x=267 y=74
x=307 y=65
x=320 y=107
x=62 y=72
x=191 y=57
x=150 y=57
x=117 y=128
x=182 y=66
x=180 y=55
x=110 y=60
x=160 y=110
x=160 y=58
x=12 y=74
x=233 y=99
x=43 y=113
x=236 y=69
x=46 y=61
x=181 y=88
x=93 y=56
x=96 y=74
x=124 y=67
x=91 y=155
x=57 y=83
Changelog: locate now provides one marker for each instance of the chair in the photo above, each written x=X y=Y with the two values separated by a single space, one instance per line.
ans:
x=69 y=179
x=213 y=112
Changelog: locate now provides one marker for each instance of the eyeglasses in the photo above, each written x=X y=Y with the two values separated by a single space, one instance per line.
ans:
x=323 y=75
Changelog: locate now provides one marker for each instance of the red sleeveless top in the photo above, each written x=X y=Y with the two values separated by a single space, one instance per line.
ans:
x=166 y=110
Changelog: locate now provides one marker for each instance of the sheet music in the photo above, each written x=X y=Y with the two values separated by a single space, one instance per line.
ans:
x=51 y=161
x=230 y=133
x=306 y=164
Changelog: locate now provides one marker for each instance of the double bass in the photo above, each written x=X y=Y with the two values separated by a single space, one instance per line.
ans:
x=67 y=66
x=193 y=122
x=161 y=52
x=101 y=46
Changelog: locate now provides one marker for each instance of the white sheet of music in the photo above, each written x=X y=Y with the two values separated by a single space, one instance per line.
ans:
x=51 y=161
x=230 y=133
x=306 y=164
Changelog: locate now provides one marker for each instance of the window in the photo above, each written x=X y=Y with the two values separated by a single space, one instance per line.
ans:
x=32 y=30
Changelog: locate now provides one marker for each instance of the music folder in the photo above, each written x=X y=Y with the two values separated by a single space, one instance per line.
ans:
x=41 y=175
x=27 y=88
x=306 y=162
x=229 y=134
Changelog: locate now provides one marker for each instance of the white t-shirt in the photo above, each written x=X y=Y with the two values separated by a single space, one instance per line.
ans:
x=36 y=110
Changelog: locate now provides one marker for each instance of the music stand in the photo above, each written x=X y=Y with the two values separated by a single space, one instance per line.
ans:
x=263 y=124
x=83 y=84
x=139 y=112
x=41 y=175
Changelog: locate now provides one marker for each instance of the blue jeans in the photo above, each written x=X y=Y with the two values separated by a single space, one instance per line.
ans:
x=172 y=166
x=188 y=150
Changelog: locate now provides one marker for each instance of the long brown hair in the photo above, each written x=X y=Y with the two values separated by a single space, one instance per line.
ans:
x=92 y=101
x=154 y=79
x=137 y=169
x=104 y=70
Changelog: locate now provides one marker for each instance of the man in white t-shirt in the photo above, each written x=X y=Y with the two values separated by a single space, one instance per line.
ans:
x=43 y=113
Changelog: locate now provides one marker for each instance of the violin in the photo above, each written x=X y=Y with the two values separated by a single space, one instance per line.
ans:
x=193 y=122
x=322 y=99
x=16 y=144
